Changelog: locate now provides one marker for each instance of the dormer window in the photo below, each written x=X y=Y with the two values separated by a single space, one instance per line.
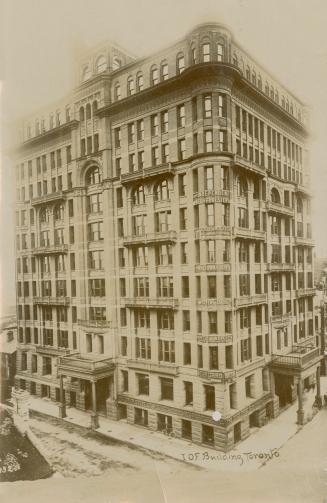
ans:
x=139 y=82
x=254 y=78
x=260 y=83
x=86 y=73
x=117 y=91
x=130 y=86
x=101 y=64
x=180 y=63
x=206 y=52
x=116 y=63
x=164 y=71
x=154 y=75
x=193 y=55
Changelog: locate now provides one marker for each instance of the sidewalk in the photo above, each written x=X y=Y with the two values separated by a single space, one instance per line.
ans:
x=263 y=443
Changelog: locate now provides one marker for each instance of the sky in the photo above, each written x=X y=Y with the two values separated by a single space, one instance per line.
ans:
x=39 y=39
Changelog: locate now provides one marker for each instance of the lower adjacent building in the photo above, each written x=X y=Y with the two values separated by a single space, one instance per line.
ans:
x=164 y=248
x=8 y=356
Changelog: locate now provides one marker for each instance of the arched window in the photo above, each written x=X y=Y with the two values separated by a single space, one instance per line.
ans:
x=154 y=75
x=130 y=86
x=116 y=63
x=180 y=63
x=283 y=102
x=59 y=212
x=267 y=88
x=86 y=73
x=82 y=114
x=94 y=107
x=220 y=51
x=88 y=111
x=272 y=93
x=242 y=186
x=93 y=176
x=260 y=82
x=277 y=97
x=138 y=196
x=117 y=92
x=206 y=52
x=291 y=109
x=287 y=106
x=139 y=82
x=248 y=73
x=235 y=60
x=101 y=64
x=161 y=191
x=275 y=196
x=164 y=70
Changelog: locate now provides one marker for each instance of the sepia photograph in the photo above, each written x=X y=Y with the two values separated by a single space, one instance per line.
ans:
x=163 y=251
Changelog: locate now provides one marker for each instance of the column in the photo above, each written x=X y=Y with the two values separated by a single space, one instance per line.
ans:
x=272 y=383
x=318 y=400
x=94 y=415
x=62 y=406
x=300 y=411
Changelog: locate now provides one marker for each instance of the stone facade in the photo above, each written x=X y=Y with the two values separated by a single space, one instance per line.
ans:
x=166 y=226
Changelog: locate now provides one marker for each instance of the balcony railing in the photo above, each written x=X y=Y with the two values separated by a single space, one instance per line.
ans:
x=161 y=367
x=249 y=165
x=147 y=173
x=243 y=232
x=214 y=267
x=59 y=301
x=154 y=303
x=281 y=318
x=50 y=249
x=48 y=198
x=212 y=231
x=279 y=208
x=302 y=241
x=211 y=196
x=78 y=363
x=52 y=351
x=247 y=300
x=218 y=339
x=148 y=239
x=219 y=376
x=280 y=267
x=298 y=358
x=94 y=323
x=304 y=190
x=304 y=292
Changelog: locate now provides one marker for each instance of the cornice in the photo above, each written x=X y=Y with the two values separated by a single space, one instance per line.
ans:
x=48 y=135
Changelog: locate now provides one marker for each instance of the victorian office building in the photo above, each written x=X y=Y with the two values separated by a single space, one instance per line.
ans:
x=164 y=248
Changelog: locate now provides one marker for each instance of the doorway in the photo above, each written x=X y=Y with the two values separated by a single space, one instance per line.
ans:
x=237 y=432
x=283 y=389
x=102 y=393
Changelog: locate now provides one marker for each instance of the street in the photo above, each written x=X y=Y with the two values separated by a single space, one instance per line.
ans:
x=297 y=475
